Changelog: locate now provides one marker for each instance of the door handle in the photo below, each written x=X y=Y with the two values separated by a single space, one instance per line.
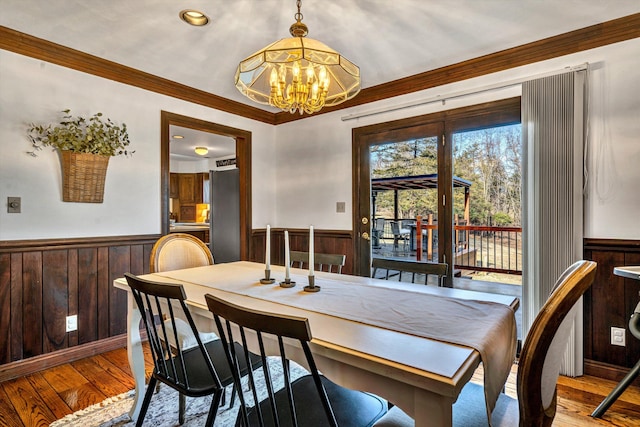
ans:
x=365 y=236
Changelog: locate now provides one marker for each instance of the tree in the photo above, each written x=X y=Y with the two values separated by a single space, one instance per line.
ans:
x=407 y=158
x=489 y=158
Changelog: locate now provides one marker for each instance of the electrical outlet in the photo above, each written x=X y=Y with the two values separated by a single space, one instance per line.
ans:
x=618 y=336
x=72 y=323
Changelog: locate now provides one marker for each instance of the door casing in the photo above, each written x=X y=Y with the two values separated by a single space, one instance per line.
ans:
x=243 y=161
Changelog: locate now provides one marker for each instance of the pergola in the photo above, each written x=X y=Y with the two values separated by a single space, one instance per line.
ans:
x=416 y=182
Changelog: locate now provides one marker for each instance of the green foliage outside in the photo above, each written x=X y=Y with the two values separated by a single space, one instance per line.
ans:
x=418 y=157
x=489 y=158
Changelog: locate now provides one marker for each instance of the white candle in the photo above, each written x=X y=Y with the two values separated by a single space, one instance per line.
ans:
x=286 y=254
x=311 y=257
x=267 y=256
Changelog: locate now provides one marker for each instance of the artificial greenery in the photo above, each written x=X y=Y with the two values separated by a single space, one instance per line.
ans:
x=80 y=135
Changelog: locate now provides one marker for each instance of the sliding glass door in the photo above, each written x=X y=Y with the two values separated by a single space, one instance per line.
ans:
x=408 y=168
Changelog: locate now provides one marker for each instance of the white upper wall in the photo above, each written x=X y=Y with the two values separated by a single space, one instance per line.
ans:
x=314 y=155
x=300 y=169
x=35 y=91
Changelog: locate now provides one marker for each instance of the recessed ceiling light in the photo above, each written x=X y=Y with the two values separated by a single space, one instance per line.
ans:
x=194 y=17
x=178 y=136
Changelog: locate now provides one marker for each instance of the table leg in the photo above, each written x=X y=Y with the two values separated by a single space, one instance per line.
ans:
x=135 y=354
x=432 y=410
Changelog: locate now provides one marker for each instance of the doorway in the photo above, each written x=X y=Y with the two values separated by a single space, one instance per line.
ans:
x=243 y=162
x=443 y=126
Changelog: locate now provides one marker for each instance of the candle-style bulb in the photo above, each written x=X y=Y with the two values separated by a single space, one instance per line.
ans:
x=296 y=71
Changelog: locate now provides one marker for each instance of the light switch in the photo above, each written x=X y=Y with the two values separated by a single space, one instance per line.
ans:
x=13 y=204
x=340 y=207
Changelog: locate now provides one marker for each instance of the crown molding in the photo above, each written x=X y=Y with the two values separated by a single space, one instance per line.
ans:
x=598 y=35
x=591 y=37
x=34 y=47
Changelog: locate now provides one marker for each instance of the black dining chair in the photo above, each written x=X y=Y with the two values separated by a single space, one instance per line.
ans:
x=331 y=263
x=310 y=400
x=176 y=251
x=393 y=267
x=198 y=370
x=538 y=366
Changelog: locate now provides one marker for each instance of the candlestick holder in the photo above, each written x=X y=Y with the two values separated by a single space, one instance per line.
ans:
x=267 y=278
x=287 y=283
x=312 y=285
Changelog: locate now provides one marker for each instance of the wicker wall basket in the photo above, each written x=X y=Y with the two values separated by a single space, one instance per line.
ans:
x=83 y=176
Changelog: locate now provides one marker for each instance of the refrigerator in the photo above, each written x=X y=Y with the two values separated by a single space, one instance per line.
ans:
x=224 y=222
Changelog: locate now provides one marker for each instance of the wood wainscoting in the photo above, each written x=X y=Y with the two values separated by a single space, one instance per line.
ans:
x=610 y=303
x=325 y=241
x=44 y=281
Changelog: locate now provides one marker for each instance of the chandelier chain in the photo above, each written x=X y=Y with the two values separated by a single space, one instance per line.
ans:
x=298 y=15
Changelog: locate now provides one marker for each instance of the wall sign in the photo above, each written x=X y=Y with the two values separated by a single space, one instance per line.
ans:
x=225 y=162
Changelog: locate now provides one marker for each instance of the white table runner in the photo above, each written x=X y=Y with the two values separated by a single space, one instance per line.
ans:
x=487 y=327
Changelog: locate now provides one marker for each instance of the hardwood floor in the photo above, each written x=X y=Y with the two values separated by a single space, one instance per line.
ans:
x=578 y=397
x=41 y=398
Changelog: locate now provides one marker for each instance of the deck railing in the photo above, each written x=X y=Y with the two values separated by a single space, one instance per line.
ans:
x=479 y=248
x=489 y=248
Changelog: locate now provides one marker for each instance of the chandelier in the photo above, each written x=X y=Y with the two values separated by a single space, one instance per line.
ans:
x=298 y=73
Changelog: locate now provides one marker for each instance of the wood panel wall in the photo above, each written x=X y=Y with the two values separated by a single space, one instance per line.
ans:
x=325 y=241
x=610 y=303
x=44 y=281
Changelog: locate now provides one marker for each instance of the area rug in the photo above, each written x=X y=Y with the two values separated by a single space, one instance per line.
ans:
x=163 y=409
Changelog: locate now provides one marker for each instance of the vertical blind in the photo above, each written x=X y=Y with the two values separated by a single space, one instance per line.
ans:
x=553 y=117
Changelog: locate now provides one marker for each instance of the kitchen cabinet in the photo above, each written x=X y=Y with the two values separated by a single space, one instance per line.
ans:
x=187 y=213
x=174 y=190
x=190 y=193
x=187 y=188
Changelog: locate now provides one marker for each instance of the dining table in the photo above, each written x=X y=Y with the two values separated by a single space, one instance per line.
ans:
x=414 y=345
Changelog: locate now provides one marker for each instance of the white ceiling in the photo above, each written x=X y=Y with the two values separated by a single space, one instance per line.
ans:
x=183 y=148
x=387 y=39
